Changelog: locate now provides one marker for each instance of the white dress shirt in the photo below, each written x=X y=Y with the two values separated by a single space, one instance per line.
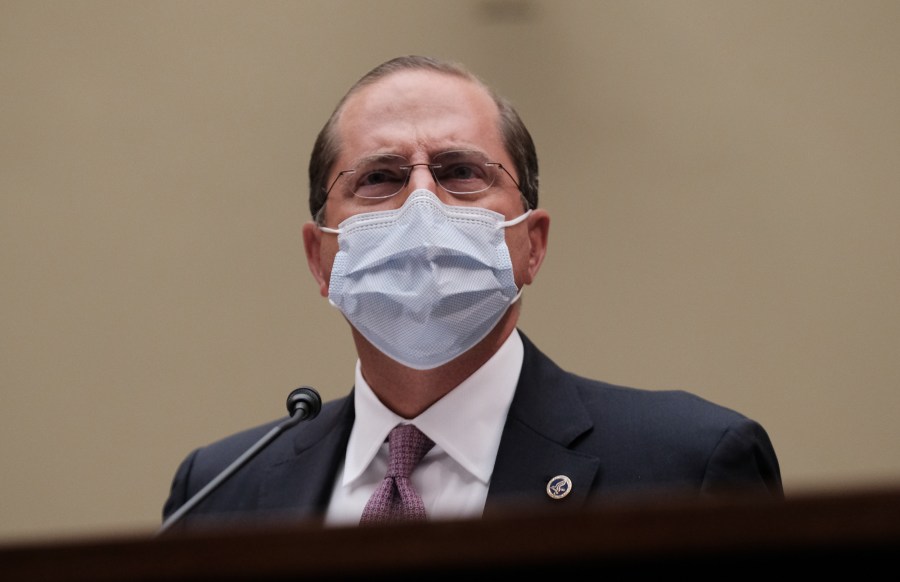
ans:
x=465 y=425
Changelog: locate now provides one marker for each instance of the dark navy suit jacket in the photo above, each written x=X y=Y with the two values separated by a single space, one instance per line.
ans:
x=609 y=440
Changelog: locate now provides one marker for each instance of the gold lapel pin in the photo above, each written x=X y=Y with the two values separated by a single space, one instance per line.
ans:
x=559 y=487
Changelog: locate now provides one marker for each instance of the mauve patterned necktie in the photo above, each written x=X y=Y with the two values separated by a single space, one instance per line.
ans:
x=395 y=499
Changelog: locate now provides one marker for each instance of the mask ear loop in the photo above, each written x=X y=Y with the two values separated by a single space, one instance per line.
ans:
x=506 y=224
x=514 y=221
x=518 y=295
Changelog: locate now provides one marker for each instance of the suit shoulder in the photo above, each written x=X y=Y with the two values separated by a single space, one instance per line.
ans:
x=549 y=396
x=679 y=405
x=216 y=455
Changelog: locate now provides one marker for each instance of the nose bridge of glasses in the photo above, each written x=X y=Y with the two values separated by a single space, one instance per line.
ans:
x=423 y=178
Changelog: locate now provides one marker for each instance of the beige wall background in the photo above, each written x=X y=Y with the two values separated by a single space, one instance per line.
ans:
x=722 y=177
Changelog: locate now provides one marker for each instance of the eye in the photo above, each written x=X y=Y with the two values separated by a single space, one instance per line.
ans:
x=463 y=172
x=379 y=178
x=460 y=171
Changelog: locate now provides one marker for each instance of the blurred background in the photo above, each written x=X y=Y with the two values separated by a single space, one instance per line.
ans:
x=722 y=177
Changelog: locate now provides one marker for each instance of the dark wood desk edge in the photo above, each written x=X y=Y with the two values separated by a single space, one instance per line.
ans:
x=831 y=528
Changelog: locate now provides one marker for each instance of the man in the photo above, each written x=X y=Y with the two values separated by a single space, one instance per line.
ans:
x=423 y=191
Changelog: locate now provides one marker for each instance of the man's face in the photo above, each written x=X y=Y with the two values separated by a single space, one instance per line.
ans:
x=418 y=114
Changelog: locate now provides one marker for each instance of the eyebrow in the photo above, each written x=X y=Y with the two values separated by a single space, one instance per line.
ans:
x=377 y=157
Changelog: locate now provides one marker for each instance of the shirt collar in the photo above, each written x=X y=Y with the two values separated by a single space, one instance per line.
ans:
x=466 y=423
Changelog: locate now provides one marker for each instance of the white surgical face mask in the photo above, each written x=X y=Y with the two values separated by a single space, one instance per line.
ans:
x=425 y=282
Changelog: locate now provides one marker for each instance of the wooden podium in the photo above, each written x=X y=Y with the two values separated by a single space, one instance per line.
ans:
x=819 y=533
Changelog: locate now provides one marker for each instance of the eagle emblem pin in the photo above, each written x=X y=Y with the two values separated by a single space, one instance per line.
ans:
x=559 y=487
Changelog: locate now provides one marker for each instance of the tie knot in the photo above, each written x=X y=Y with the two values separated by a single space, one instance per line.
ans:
x=406 y=445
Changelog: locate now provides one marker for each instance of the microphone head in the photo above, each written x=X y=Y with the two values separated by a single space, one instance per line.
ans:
x=304 y=403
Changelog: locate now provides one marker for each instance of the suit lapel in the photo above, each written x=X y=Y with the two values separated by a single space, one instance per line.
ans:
x=301 y=480
x=546 y=416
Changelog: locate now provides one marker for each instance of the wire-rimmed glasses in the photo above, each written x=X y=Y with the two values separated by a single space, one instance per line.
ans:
x=458 y=172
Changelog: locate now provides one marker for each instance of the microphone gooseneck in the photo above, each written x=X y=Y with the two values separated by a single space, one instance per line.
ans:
x=304 y=403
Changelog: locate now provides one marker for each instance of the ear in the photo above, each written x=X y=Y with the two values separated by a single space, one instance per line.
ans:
x=538 y=231
x=312 y=244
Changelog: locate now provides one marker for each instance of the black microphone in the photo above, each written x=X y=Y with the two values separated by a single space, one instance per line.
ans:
x=304 y=403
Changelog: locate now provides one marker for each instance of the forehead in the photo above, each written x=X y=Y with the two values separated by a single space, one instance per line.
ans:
x=418 y=112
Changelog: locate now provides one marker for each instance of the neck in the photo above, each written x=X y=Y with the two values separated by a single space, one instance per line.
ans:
x=409 y=392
